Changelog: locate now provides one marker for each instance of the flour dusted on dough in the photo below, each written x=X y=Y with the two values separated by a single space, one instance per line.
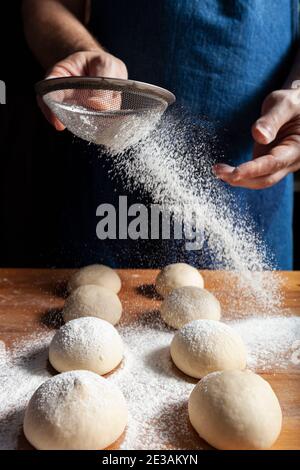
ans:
x=86 y=343
x=150 y=383
x=93 y=301
x=235 y=410
x=189 y=303
x=205 y=346
x=96 y=274
x=75 y=411
x=177 y=275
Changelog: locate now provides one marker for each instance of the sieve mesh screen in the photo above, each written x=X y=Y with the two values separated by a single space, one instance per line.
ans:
x=112 y=112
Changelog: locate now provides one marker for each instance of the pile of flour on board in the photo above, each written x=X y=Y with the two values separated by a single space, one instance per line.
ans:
x=22 y=369
x=173 y=165
x=156 y=392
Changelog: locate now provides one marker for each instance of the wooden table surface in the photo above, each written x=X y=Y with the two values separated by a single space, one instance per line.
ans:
x=29 y=296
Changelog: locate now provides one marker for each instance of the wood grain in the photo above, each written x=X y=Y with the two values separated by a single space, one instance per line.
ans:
x=30 y=299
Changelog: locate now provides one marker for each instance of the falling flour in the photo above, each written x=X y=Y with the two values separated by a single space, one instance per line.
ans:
x=171 y=161
x=173 y=165
x=156 y=392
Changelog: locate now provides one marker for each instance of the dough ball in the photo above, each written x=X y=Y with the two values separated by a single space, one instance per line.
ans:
x=177 y=275
x=75 y=411
x=93 y=301
x=235 y=410
x=96 y=274
x=205 y=346
x=189 y=303
x=86 y=343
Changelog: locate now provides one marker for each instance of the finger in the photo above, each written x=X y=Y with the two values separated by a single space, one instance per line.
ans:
x=55 y=72
x=64 y=69
x=278 y=159
x=59 y=126
x=222 y=170
x=96 y=67
x=278 y=108
x=106 y=100
x=261 y=182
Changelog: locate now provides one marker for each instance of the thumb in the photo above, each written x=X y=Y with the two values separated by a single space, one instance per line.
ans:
x=276 y=111
x=95 y=67
x=59 y=126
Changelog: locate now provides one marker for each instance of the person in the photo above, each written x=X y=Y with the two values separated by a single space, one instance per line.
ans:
x=234 y=61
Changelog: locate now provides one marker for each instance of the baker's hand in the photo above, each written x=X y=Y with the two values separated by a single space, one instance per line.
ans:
x=277 y=144
x=84 y=63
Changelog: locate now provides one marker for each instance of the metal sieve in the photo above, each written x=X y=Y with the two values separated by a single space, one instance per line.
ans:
x=106 y=111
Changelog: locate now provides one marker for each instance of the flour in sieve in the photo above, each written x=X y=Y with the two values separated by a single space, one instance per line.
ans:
x=117 y=132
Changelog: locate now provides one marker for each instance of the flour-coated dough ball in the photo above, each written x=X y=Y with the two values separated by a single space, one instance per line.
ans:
x=205 y=346
x=188 y=303
x=235 y=410
x=93 y=301
x=96 y=274
x=75 y=410
x=86 y=343
x=177 y=275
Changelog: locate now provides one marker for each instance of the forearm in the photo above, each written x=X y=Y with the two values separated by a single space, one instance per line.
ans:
x=53 y=31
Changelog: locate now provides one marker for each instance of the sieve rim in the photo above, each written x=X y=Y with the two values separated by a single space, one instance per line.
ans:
x=46 y=86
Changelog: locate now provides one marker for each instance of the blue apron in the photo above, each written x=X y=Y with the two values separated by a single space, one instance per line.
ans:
x=220 y=58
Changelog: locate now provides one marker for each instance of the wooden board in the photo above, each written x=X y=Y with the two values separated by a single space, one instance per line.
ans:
x=29 y=297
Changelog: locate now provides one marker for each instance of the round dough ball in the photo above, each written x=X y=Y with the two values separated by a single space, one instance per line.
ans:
x=235 y=410
x=177 y=275
x=205 y=346
x=96 y=274
x=75 y=411
x=86 y=343
x=189 y=303
x=93 y=301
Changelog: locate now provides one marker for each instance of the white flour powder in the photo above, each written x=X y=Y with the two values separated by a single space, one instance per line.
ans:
x=156 y=392
x=173 y=165
x=175 y=169
x=273 y=343
x=22 y=370
x=115 y=131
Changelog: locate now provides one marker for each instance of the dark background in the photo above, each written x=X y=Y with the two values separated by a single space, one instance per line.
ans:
x=33 y=170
